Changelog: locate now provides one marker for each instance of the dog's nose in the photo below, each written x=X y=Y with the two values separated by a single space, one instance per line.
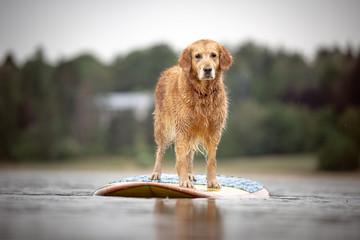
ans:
x=207 y=69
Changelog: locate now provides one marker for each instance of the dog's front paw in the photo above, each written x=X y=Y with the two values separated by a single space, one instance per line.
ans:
x=213 y=183
x=155 y=176
x=191 y=177
x=185 y=183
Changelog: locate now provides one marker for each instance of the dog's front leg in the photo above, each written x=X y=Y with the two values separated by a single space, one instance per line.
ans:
x=190 y=162
x=211 y=167
x=181 y=166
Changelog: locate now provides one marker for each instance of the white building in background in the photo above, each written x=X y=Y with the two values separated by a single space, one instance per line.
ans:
x=110 y=103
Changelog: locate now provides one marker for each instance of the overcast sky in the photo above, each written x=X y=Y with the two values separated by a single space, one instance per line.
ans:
x=108 y=28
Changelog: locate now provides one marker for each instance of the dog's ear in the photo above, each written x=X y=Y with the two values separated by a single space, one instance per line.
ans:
x=185 y=60
x=225 y=58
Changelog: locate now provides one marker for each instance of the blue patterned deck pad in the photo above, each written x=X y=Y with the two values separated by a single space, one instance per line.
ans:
x=241 y=183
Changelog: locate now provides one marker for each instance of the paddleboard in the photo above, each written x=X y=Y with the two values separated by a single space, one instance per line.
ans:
x=168 y=187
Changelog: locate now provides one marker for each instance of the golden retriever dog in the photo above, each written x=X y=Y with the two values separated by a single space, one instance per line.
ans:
x=191 y=109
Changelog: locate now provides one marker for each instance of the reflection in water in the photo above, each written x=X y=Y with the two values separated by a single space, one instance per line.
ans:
x=187 y=219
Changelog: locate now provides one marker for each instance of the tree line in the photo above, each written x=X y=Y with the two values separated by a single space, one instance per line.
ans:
x=279 y=103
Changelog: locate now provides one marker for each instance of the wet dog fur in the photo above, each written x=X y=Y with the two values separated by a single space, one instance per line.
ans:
x=191 y=109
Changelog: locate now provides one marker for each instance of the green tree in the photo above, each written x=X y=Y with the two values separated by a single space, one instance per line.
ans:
x=338 y=153
x=349 y=124
x=330 y=68
x=254 y=128
x=267 y=75
x=347 y=88
x=252 y=64
x=244 y=132
x=140 y=69
x=77 y=82
x=285 y=129
x=36 y=140
x=10 y=104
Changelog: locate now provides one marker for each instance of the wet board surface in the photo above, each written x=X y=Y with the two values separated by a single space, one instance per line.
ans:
x=168 y=187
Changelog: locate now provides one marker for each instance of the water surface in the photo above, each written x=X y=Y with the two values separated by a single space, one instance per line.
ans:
x=59 y=205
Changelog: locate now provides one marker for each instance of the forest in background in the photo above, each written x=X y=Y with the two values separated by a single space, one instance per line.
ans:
x=279 y=104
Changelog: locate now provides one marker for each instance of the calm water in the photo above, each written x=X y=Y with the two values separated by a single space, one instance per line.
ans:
x=59 y=205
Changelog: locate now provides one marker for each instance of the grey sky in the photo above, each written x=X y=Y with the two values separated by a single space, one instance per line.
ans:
x=107 y=28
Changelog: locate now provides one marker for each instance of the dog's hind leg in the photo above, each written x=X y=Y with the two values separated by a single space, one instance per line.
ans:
x=156 y=175
x=190 y=162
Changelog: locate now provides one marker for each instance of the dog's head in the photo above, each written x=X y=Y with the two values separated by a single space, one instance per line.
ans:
x=205 y=58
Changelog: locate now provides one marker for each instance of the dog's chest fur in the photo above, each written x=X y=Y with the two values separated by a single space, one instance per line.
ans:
x=201 y=115
x=184 y=112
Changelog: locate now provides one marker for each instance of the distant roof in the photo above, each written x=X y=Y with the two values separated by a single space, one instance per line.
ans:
x=140 y=102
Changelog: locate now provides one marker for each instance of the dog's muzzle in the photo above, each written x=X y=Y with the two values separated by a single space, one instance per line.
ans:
x=207 y=73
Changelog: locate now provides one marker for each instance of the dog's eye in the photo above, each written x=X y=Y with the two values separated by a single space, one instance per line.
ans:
x=213 y=55
x=197 y=56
